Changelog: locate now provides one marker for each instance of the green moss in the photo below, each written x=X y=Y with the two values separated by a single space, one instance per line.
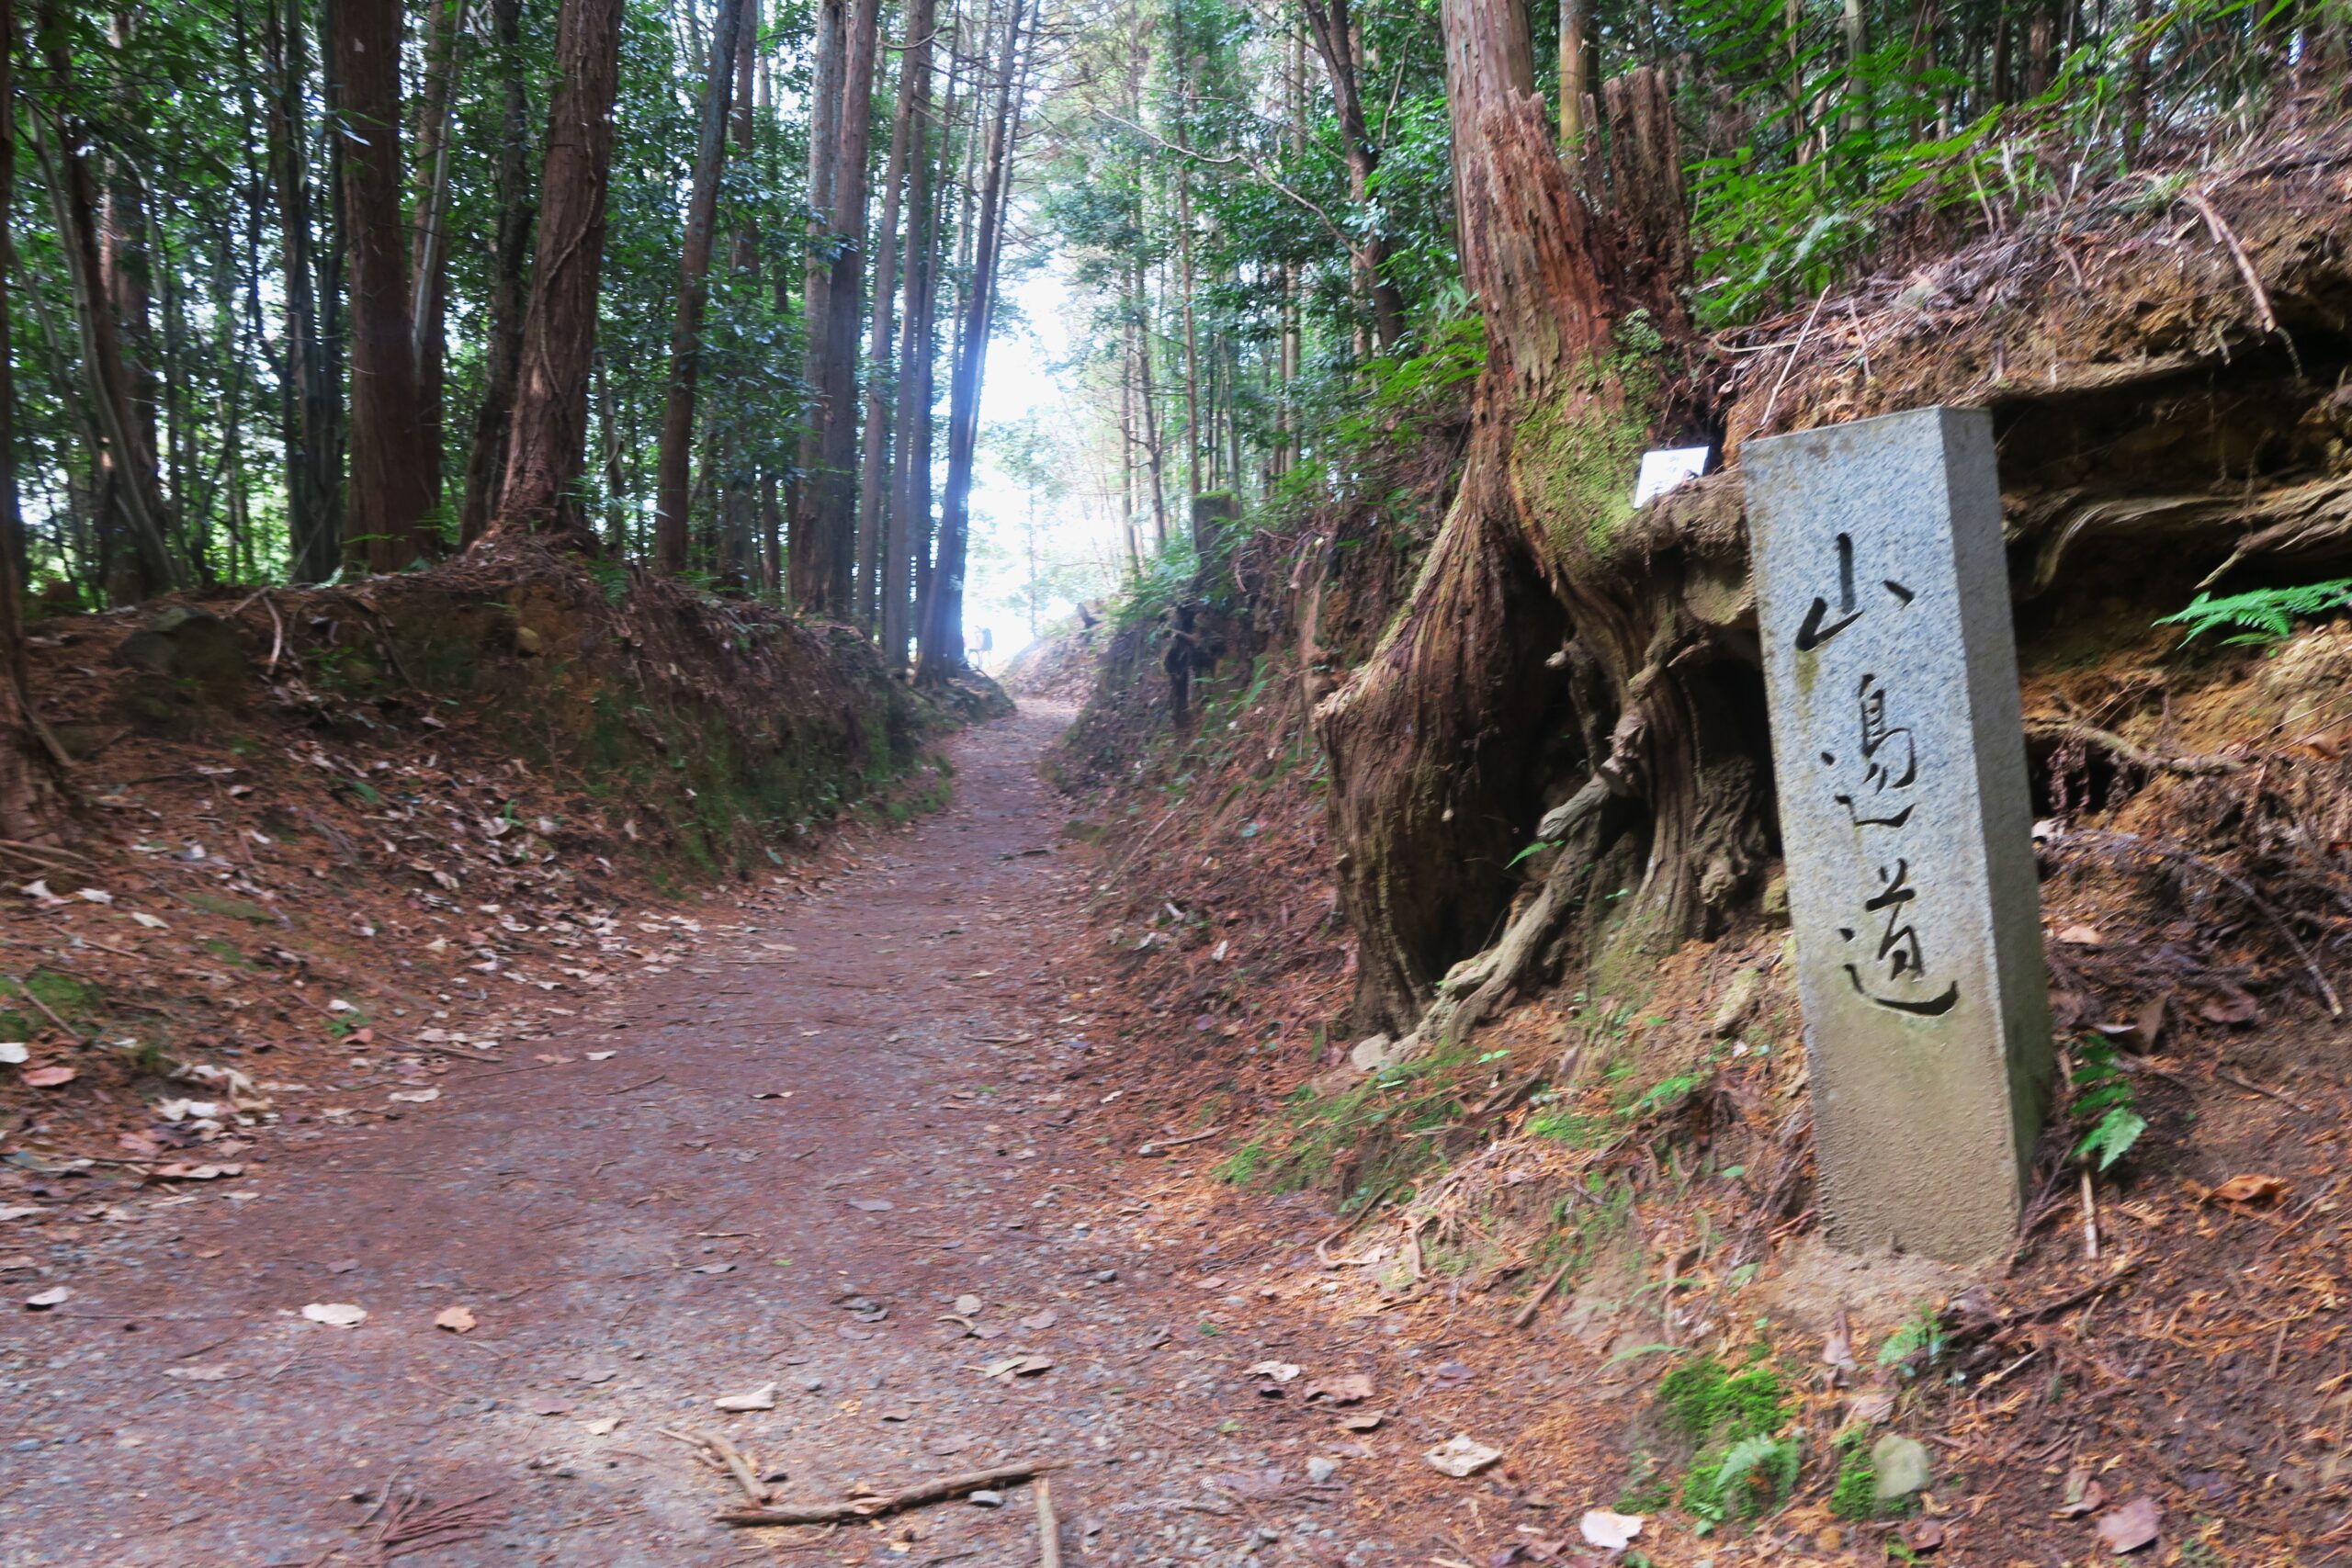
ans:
x=229 y=909
x=1855 y=1495
x=1707 y=1402
x=1574 y=460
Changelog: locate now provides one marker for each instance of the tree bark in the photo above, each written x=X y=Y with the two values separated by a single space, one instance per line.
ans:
x=307 y=409
x=32 y=791
x=429 y=239
x=127 y=463
x=1544 y=644
x=873 y=488
x=1335 y=37
x=548 y=442
x=908 y=514
x=673 y=481
x=391 y=487
x=943 y=611
x=503 y=353
x=824 y=523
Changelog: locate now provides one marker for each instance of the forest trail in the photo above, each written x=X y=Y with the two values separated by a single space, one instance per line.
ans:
x=639 y=1226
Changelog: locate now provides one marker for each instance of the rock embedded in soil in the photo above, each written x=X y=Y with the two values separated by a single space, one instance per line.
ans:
x=1902 y=1467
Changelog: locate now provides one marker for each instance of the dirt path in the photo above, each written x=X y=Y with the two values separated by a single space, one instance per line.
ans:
x=780 y=1164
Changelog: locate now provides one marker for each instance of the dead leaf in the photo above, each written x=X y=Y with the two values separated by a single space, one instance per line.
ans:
x=1460 y=1456
x=1923 y=1535
x=49 y=1078
x=602 y=1426
x=204 y=1374
x=2084 y=1496
x=181 y=1171
x=13 y=1052
x=2148 y=1023
x=1365 y=1421
x=1838 y=1350
x=2080 y=936
x=759 y=1398
x=336 y=1314
x=969 y=1305
x=2249 y=1190
x=1280 y=1372
x=415 y=1096
x=456 y=1319
x=1041 y=1320
x=56 y=1295
x=2131 y=1526
x=1010 y=1367
x=1609 y=1529
x=873 y=1205
x=2232 y=1007
x=1349 y=1388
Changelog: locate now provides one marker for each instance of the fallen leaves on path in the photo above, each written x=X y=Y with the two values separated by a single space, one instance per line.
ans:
x=1460 y=1456
x=759 y=1398
x=456 y=1319
x=336 y=1314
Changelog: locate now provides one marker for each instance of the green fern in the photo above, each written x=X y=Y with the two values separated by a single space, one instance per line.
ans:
x=2261 y=615
x=2104 y=1099
x=1754 y=1475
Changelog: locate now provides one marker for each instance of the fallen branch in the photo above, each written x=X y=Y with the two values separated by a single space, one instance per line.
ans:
x=1161 y=1145
x=1526 y=1315
x=1049 y=1527
x=2222 y=233
x=727 y=1454
x=2138 y=756
x=937 y=1491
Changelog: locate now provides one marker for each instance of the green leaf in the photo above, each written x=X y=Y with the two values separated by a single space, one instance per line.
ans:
x=2113 y=1137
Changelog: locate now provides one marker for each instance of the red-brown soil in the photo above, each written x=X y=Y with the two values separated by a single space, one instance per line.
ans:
x=778 y=1157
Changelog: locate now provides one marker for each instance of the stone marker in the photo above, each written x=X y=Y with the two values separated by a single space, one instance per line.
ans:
x=1899 y=758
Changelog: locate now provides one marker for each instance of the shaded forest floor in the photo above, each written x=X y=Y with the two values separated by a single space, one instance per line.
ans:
x=859 y=1150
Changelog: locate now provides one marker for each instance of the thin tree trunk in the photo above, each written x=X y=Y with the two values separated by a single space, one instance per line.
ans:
x=1336 y=39
x=824 y=527
x=548 y=443
x=503 y=353
x=127 y=462
x=943 y=620
x=1571 y=76
x=32 y=791
x=908 y=514
x=673 y=482
x=874 y=526
x=312 y=548
x=429 y=243
x=391 y=484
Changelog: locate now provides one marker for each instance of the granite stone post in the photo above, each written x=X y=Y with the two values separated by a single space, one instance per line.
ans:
x=1899 y=755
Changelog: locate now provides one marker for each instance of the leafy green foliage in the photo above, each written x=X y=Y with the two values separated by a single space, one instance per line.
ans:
x=1745 y=1459
x=2105 y=1103
x=2260 y=615
x=1917 y=1344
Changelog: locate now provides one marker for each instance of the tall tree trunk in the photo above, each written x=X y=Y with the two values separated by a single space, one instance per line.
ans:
x=548 y=443
x=1336 y=41
x=673 y=484
x=909 y=511
x=873 y=490
x=942 y=610
x=305 y=413
x=429 y=239
x=1445 y=746
x=1571 y=76
x=391 y=487
x=127 y=268
x=127 y=463
x=824 y=525
x=31 y=792
x=503 y=353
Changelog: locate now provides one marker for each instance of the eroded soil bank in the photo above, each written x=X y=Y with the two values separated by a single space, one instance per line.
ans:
x=790 y=1159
